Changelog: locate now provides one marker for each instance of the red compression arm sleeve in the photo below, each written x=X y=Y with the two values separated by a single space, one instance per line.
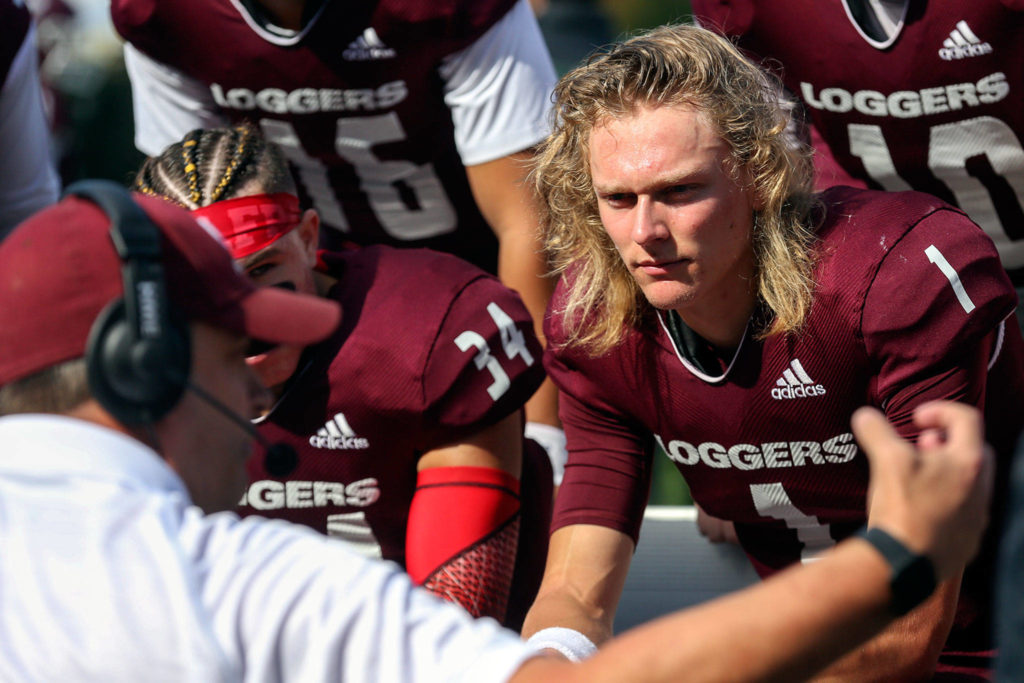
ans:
x=461 y=536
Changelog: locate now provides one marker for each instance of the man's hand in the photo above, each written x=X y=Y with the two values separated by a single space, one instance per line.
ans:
x=935 y=497
x=714 y=529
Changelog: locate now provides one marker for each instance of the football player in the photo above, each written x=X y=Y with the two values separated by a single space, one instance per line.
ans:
x=712 y=305
x=28 y=181
x=405 y=122
x=407 y=421
x=904 y=94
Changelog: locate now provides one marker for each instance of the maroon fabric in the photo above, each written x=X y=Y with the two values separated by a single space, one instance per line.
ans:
x=14 y=24
x=325 y=92
x=389 y=386
x=952 y=126
x=62 y=261
x=885 y=329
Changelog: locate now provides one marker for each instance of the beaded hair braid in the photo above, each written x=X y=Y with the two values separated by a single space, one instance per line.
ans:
x=236 y=160
x=208 y=165
x=188 y=155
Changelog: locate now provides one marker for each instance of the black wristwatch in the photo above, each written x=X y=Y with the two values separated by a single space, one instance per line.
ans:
x=913 y=576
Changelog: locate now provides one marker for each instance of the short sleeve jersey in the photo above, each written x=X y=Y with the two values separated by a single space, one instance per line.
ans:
x=355 y=101
x=413 y=367
x=909 y=305
x=937 y=110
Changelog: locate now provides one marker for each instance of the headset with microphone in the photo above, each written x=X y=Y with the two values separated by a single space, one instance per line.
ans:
x=139 y=353
x=279 y=459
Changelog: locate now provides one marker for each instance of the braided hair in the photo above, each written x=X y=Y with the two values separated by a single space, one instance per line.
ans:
x=211 y=164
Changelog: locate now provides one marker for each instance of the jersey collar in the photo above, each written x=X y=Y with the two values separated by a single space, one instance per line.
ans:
x=684 y=356
x=879 y=22
x=275 y=34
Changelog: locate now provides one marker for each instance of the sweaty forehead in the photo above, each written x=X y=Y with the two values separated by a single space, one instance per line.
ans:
x=667 y=143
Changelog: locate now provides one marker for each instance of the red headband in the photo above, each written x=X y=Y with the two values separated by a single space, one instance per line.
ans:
x=251 y=223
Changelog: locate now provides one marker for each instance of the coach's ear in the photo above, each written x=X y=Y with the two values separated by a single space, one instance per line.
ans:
x=309 y=234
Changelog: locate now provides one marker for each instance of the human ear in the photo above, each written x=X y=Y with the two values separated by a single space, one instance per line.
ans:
x=309 y=234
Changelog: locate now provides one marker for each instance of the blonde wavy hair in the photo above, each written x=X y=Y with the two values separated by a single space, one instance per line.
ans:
x=673 y=65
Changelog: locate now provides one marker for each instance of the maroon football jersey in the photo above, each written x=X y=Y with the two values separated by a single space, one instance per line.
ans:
x=935 y=111
x=14 y=23
x=356 y=104
x=413 y=367
x=909 y=306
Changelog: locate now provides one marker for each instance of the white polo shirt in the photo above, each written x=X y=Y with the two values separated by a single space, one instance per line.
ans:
x=107 y=572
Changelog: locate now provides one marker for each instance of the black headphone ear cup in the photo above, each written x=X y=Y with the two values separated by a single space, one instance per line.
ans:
x=137 y=382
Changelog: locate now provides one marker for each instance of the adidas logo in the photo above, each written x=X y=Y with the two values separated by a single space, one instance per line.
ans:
x=366 y=47
x=336 y=434
x=796 y=383
x=962 y=43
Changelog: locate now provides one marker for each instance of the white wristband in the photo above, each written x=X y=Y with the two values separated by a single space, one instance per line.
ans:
x=552 y=439
x=573 y=645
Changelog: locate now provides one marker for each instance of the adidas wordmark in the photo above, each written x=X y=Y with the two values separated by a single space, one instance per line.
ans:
x=338 y=435
x=796 y=383
x=962 y=43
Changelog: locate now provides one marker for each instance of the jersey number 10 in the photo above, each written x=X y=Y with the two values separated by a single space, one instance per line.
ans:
x=979 y=160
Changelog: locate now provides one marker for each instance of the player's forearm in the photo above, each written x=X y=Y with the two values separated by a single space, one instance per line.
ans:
x=930 y=501
x=905 y=651
x=586 y=570
x=509 y=205
x=521 y=267
x=543 y=405
x=787 y=628
x=561 y=609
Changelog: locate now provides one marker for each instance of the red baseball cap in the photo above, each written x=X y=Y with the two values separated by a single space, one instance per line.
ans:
x=59 y=270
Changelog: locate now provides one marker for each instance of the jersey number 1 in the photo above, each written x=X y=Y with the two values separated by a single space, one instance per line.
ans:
x=936 y=257
x=771 y=500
